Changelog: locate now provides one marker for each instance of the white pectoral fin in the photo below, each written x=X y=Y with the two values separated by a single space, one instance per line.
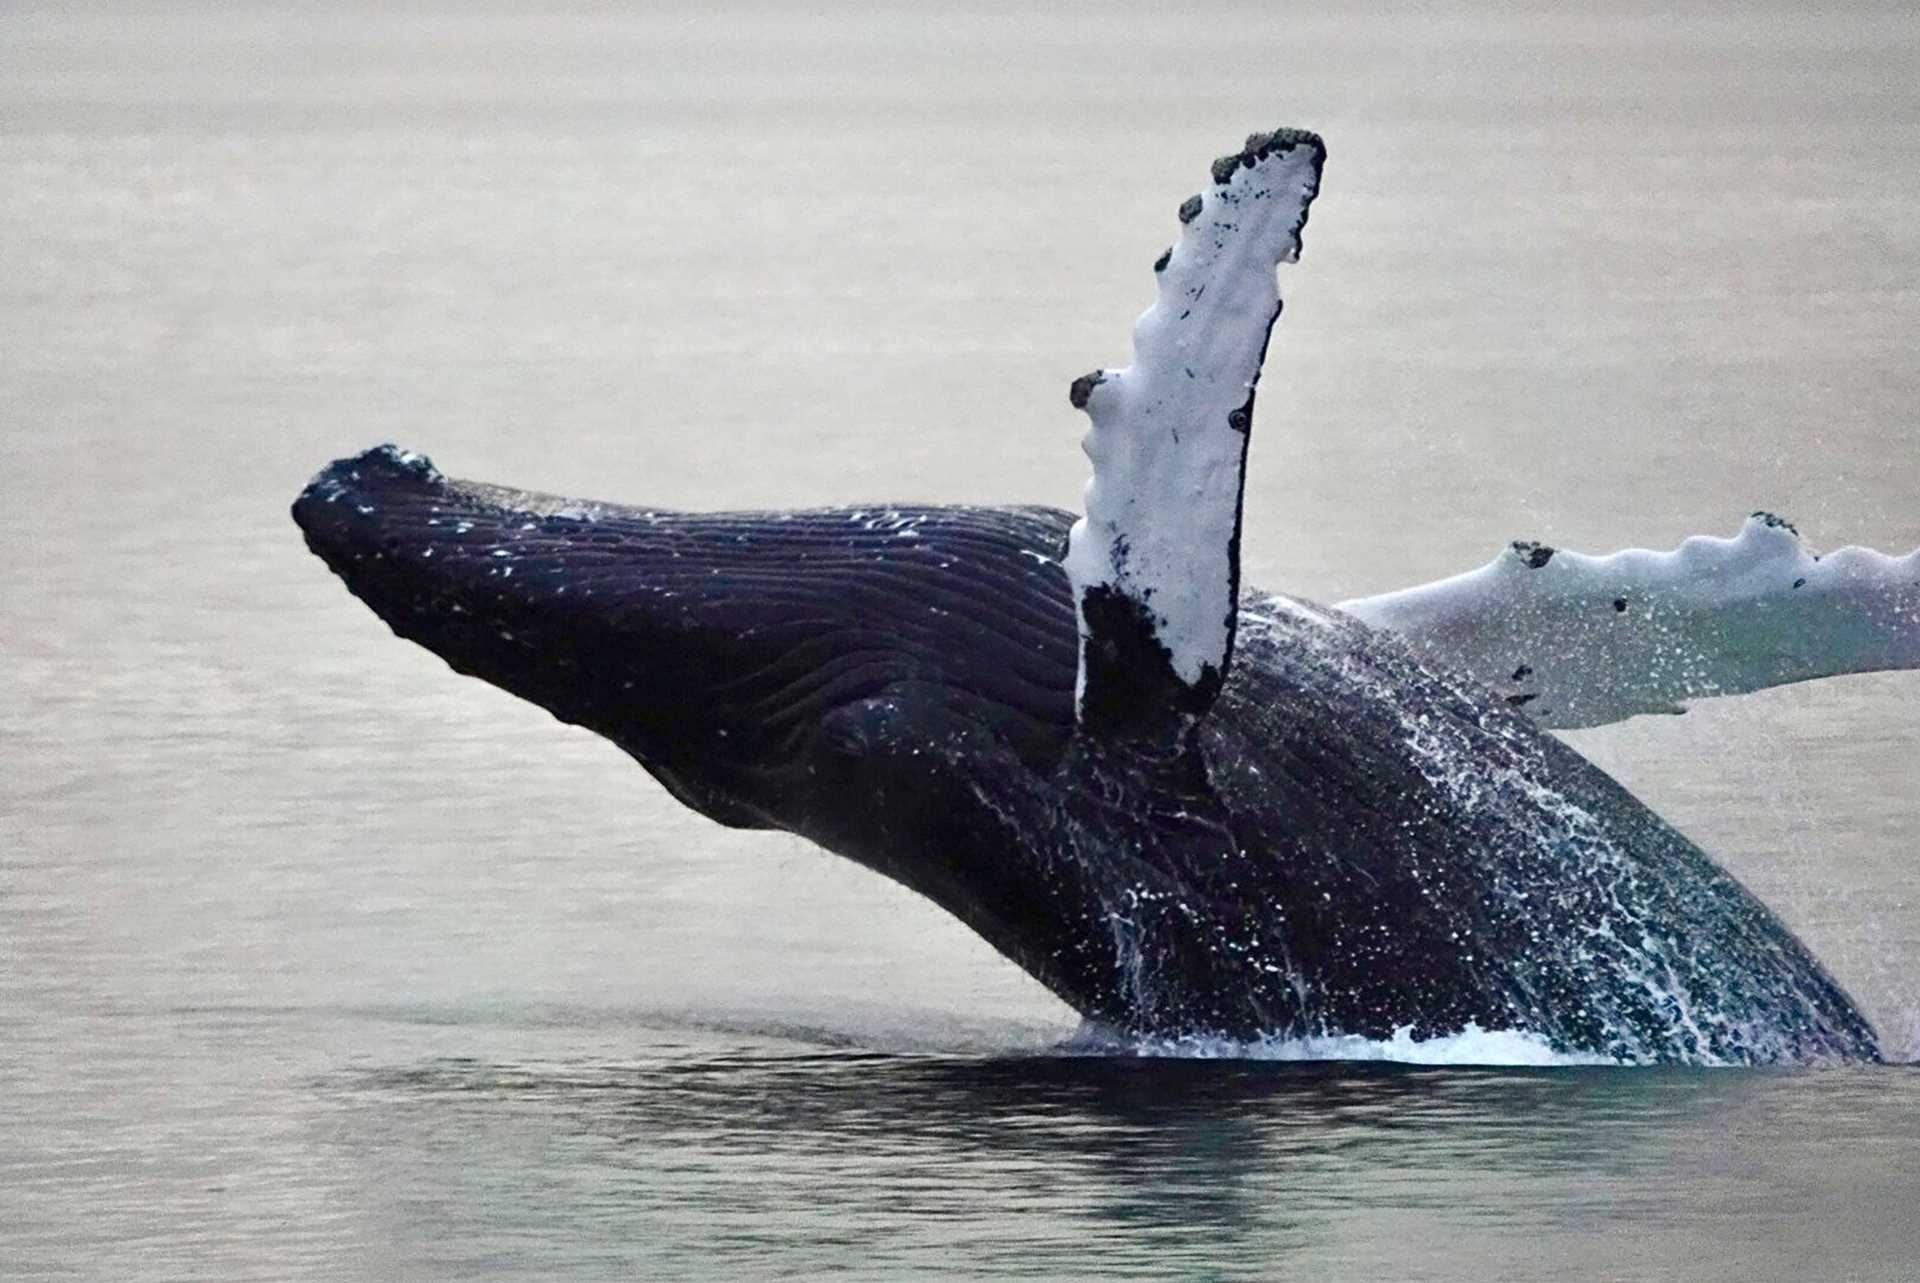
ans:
x=1154 y=563
x=1580 y=641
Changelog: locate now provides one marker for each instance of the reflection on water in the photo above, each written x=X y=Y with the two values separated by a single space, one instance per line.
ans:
x=734 y=1161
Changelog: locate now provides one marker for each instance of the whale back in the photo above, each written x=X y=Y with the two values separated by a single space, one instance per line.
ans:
x=1440 y=861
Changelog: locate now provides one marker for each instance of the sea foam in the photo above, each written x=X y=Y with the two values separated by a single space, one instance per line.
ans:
x=1471 y=1046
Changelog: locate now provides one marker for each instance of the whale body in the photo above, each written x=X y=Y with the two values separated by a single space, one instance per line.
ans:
x=1350 y=841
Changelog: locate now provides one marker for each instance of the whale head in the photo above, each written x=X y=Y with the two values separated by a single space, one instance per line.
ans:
x=765 y=667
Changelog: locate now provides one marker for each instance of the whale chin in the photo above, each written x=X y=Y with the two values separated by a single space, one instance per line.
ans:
x=712 y=647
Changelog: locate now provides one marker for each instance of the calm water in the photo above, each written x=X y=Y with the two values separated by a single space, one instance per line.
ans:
x=319 y=962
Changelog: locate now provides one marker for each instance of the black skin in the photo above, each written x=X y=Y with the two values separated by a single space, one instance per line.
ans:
x=1346 y=842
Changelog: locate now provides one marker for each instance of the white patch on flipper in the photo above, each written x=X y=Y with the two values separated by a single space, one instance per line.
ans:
x=1582 y=641
x=1163 y=506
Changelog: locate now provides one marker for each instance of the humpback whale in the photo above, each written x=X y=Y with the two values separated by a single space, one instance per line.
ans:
x=1187 y=807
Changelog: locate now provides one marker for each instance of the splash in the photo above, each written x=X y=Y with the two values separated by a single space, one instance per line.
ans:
x=1900 y=1041
x=1471 y=1046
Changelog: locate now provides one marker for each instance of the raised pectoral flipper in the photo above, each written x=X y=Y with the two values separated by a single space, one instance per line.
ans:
x=1578 y=641
x=1155 y=561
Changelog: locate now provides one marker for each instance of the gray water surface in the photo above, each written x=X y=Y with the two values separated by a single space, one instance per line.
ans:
x=317 y=961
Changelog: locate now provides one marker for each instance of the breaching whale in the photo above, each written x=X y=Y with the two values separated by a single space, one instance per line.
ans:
x=1187 y=808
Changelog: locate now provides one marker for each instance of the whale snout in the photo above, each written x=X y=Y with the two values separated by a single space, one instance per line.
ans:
x=383 y=468
x=595 y=612
x=339 y=512
x=390 y=505
x=442 y=560
x=429 y=556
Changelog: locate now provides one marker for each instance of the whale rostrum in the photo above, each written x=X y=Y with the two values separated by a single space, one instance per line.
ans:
x=1187 y=807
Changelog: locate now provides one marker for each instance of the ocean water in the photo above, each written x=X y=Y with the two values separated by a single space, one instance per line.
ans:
x=317 y=961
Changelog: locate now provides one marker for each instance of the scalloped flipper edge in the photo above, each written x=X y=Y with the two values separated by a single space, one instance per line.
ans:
x=1154 y=563
x=1575 y=641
